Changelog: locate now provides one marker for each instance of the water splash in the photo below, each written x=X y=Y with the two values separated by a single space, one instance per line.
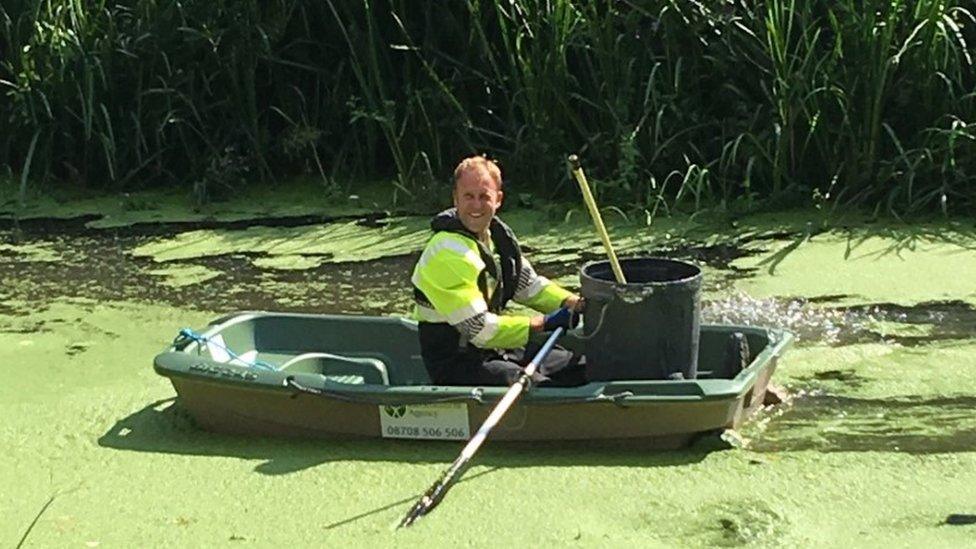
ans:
x=811 y=324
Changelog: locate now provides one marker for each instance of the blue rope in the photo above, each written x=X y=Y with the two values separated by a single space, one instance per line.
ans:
x=186 y=333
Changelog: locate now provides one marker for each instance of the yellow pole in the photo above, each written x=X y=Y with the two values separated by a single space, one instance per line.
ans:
x=574 y=164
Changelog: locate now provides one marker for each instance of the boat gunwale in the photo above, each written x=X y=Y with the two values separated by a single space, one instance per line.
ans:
x=209 y=371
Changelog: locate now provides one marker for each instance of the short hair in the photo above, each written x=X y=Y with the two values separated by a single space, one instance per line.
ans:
x=479 y=162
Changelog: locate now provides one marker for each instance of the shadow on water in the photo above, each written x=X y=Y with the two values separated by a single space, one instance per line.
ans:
x=844 y=424
x=164 y=427
x=941 y=320
x=402 y=502
x=908 y=238
x=848 y=376
x=719 y=256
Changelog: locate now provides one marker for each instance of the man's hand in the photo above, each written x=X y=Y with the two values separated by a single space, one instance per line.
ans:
x=560 y=318
x=575 y=303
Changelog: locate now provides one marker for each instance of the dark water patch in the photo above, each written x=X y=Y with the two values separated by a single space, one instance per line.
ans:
x=832 y=298
x=374 y=287
x=76 y=348
x=46 y=225
x=960 y=519
x=719 y=256
x=941 y=320
x=10 y=309
x=914 y=425
x=847 y=377
x=23 y=329
x=74 y=226
x=98 y=266
x=745 y=522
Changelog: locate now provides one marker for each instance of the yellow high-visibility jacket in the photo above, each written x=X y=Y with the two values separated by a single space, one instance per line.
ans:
x=461 y=282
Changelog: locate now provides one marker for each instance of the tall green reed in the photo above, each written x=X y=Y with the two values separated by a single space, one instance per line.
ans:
x=718 y=103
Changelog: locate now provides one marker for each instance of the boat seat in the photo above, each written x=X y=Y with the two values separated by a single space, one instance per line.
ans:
x=340 y=369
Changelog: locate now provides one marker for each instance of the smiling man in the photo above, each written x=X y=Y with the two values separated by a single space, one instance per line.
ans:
x=470 y=269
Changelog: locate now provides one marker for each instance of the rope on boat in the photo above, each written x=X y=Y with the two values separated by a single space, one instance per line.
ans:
x=476 y=394
x=617 y=399
x=187 y=334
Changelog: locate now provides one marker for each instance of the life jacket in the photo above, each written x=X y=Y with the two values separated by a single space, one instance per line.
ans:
x=442 y=345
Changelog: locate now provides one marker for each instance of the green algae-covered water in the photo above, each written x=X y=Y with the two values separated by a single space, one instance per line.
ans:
x=878 y=447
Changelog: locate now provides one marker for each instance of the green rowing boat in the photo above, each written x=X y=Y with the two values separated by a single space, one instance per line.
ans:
x=361 y=376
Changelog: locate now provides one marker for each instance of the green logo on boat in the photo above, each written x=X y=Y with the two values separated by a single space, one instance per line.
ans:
x=395 y=411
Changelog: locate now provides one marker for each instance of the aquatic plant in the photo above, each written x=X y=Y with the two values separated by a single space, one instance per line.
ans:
x=723 y=103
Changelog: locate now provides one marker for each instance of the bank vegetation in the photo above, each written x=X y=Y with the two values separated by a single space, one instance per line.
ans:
x=729 y=103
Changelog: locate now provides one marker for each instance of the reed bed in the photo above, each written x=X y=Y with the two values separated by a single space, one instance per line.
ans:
x=732 y=103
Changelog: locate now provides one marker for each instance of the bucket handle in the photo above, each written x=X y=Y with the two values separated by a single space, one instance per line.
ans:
x=599 y=323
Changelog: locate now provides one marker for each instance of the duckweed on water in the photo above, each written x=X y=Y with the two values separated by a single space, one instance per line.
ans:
x=904 y=267
x=884 y=370
x=877 y=449
x=31 y=252
x=336 y=242
x=351 y=241
x=915 y=425
x=178 y=276
x=287 y=262
x=175 y=206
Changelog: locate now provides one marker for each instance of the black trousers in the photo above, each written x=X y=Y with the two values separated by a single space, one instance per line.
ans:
x=560 y=368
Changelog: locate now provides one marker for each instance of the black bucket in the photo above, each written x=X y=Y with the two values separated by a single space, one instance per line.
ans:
x=646 y=328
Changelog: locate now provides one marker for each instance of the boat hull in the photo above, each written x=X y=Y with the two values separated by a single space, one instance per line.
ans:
x=234 y=398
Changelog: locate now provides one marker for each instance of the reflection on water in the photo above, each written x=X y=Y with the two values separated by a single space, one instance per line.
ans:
x=844 y=424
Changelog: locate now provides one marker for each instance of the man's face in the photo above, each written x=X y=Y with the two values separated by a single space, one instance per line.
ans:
x=476 y=198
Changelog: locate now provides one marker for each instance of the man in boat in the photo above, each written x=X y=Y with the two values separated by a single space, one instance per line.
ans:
x=471 y=267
